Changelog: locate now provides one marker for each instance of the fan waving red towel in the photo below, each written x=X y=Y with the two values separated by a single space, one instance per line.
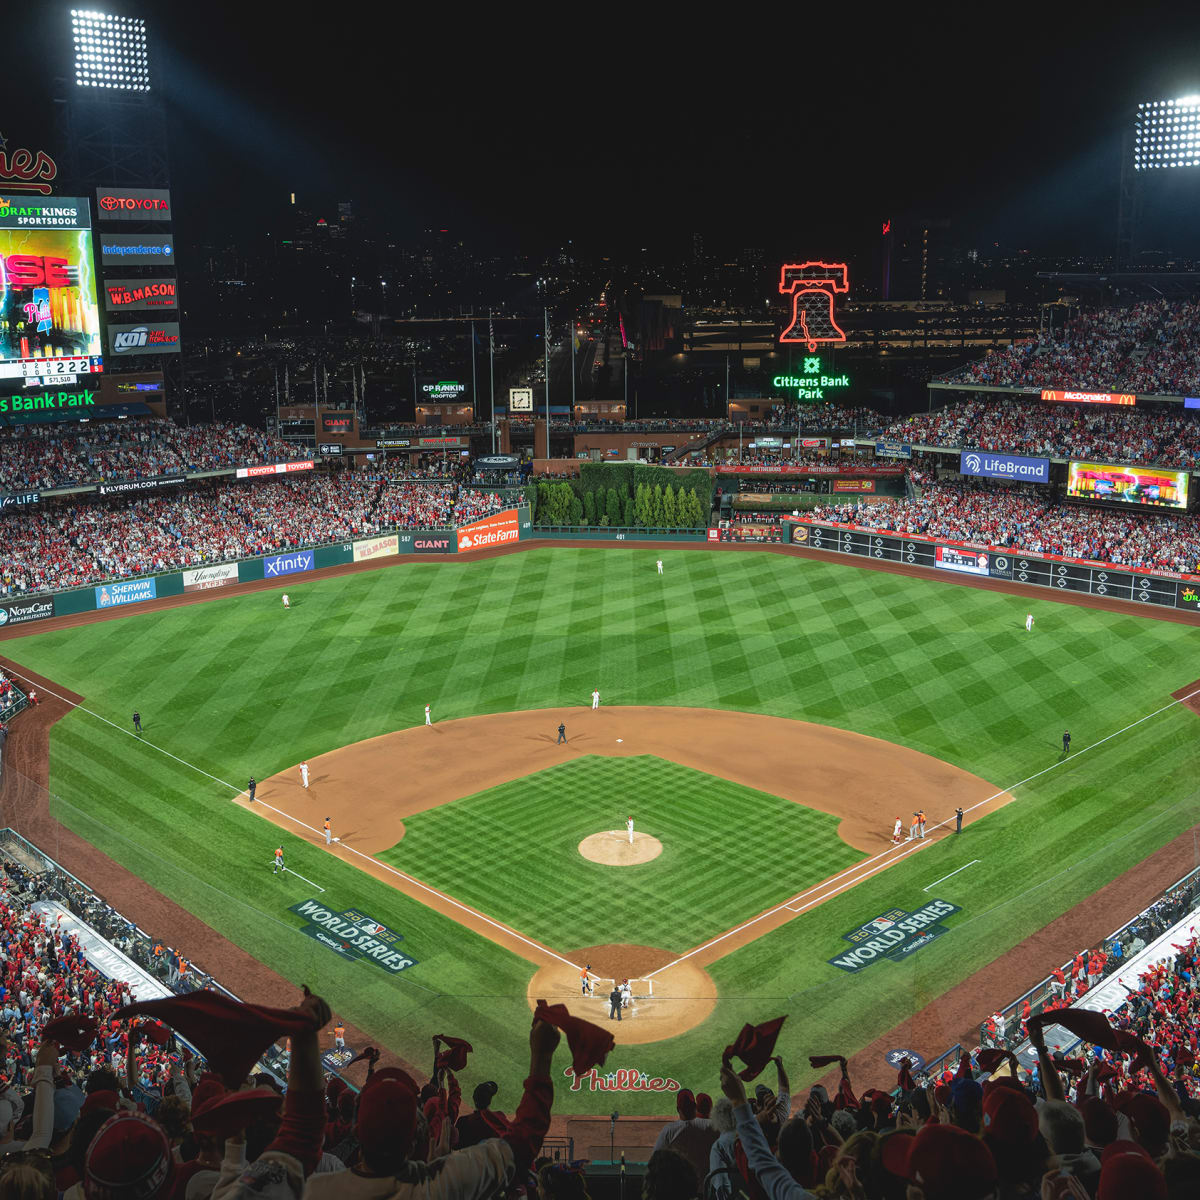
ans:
x=454 y=1056
x=73 y=1032
x=589 y=1043
x=990 y=1058
x=754 y=1046
x=231 y=1035
x=904 y=1079
x=826 y=1060
x=1092 y=1027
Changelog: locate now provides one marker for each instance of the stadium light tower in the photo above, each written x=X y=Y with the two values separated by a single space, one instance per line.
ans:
x=110 y=51
x=1165 y=138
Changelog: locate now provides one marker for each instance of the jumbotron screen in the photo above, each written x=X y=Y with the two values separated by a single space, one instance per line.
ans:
x=49 y=317
x=1114 y=482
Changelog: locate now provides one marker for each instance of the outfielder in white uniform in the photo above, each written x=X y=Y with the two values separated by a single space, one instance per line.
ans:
x=629 y=826
x=1029 y=622
x=304 y=773
x=286 y=602
x=428 y=719
x=595 y=699
x=660 y=566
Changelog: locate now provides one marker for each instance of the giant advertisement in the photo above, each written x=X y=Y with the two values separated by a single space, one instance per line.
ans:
x=49 y=316
x=989 y=465
x=497 y=530
x=1128 y=485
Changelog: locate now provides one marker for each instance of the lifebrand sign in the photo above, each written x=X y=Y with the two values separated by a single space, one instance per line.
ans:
x=354 y=936
x=894 y=934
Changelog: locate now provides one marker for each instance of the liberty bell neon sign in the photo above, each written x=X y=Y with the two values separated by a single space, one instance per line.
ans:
x=813 y=287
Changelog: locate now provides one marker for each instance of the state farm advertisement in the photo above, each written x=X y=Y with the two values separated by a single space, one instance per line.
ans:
x=282 y=468
x=491 y=531
x=379 y=547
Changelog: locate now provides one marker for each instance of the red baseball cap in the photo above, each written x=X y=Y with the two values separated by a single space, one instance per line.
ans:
x=945 y=1162
x=1127 y=1170
x=1009 y=1118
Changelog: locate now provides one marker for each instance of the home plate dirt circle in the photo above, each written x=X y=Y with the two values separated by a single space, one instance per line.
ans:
x=614 y=849
x=670 y=1002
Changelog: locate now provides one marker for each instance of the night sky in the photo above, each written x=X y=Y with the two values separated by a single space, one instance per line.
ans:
x=603 y=126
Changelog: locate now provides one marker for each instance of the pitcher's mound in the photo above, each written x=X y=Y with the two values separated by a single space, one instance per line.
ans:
x=614 y=849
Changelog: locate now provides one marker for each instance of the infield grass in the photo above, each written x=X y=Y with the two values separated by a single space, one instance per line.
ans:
x=710 y=828
x=238 y=686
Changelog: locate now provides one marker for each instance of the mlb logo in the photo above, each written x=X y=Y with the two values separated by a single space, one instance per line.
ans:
x=880 y=924
x=371 y=927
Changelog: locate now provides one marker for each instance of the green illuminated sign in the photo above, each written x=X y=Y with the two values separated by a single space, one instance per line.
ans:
x=49 y=401
x=813 y=384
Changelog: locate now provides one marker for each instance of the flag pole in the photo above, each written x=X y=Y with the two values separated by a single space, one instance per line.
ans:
x=492 y=373
x=546 y=349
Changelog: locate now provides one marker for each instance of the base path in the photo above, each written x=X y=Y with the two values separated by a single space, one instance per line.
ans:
x=863 y=781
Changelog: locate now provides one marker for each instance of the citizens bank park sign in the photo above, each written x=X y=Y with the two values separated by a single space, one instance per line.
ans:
x=893 y=935
x=354 y=936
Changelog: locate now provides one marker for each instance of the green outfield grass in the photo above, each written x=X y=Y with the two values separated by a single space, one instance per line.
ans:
x=711 y=830
x=237 y=686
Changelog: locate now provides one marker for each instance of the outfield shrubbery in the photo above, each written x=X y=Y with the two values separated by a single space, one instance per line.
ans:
x=623 y=494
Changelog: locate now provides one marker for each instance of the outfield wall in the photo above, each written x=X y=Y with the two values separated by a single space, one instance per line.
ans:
x=1163 y=588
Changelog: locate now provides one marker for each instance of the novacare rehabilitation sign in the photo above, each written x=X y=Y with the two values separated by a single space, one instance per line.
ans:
x=895 y=934
x=353 y=935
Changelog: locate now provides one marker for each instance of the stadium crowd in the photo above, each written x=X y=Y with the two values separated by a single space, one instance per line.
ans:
x=52 y=456
x=65 y=545
x=1159 y=435
x=1148 y=347
x=1024 y=518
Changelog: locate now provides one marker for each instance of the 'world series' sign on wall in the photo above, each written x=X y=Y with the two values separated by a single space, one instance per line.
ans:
x=894 y=934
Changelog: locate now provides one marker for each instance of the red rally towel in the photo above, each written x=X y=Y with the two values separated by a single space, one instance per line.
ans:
x=1092 y=1027
x=992 y=1057
x=589 y=1044
x=754 y=1046
x=826 y=1060
x=904 y=1079
x=454 y=1056
x=231 y=1035
x=71 y=1033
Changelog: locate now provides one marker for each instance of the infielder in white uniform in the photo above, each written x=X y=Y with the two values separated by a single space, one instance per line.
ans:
x=629 y=826
x=897 y=833
x=304 y=773
x=1029 y=622
x=286 y=602
x=428 y=719
x=595 y=699
x=660 y=566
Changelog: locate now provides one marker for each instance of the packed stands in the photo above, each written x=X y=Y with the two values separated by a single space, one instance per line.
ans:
x=1160 y=435
x=1149 y=348
x=66 y=545
x=53 y=456
x=1025 y=518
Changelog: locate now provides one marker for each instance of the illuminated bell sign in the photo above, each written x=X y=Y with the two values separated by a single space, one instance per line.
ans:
x=814 y=383
x=812 y=287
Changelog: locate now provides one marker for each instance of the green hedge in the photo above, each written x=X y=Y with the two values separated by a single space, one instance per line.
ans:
x=623 y=494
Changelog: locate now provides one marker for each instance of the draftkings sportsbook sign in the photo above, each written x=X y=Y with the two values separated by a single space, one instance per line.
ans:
x=353 y=935
x=895 y=934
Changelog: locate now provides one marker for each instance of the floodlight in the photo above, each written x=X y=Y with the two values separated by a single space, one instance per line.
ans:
x=1165 y=133
x=110 y=51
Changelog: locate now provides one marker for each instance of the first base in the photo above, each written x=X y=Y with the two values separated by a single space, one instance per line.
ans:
x=620 y=739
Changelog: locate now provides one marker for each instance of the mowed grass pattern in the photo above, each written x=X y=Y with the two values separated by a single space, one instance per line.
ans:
x=236 y=686
x=711 y=830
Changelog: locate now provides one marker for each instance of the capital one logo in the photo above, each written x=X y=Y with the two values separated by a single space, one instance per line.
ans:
x=813 y=287
x=973 y=462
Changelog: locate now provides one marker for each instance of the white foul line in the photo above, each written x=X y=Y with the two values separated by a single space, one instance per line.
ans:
x=852 y=872
x=308 y=881
x=852 y=875
x=952 y=874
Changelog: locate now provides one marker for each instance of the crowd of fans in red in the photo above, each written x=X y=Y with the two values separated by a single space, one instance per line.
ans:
x=55 y=546
x=1022 y=517
x=1148 y=348
x=52 y=456
x=1159 y=435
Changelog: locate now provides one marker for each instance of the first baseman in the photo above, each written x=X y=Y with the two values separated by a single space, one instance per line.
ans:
x=304 y=773
x=428 y=718
x=595 y=699
x=897 y=834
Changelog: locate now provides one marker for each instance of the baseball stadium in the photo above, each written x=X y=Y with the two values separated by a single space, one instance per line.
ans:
x=497 y=798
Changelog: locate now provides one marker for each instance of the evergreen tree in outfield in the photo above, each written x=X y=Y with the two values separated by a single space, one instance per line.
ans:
x=576 y=510
x=589 y=507
x=641 y=506
x=627 y=515
x=614 y=507
x=656 y=507
x=669 y=507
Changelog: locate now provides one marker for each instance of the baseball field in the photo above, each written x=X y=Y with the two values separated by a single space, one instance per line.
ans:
x=764 y=719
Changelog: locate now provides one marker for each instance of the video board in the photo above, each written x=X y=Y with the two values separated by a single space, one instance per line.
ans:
x=1152 y=487
x=49 y=316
